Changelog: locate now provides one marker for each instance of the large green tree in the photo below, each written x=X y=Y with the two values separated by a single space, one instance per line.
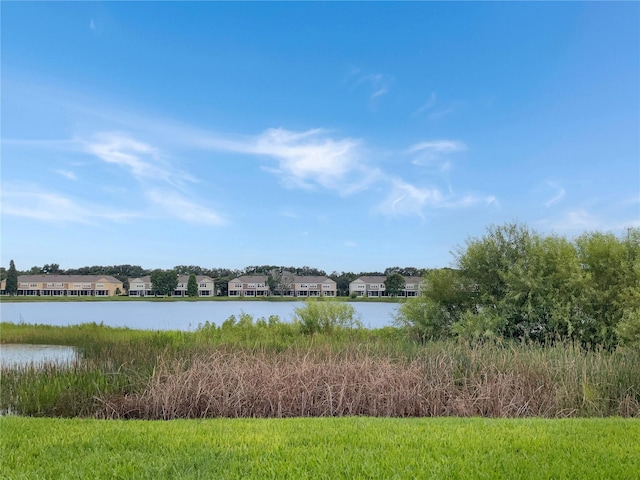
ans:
x=443 y=298
x=612 y=266
x=12 y=279
x=164 y=282
x=516 y=283
x=192 y=286
x=394 y=284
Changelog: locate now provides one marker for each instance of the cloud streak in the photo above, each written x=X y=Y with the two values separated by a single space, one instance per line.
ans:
x=309 y=160
x=140 y=159
x=558 y=196
x=177 y=206
x=68 y=174
x=36 y=204
x=406 y=199
x=377 y=84
x=435 y=152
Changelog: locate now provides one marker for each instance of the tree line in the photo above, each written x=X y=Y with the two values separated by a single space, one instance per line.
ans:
x=518 y=284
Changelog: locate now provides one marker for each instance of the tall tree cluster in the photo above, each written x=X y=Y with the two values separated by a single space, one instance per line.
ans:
x=12 y=279
x=516 y=283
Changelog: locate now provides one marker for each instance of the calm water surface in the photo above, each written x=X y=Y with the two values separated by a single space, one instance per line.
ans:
x=12 y=355
x=169 y=315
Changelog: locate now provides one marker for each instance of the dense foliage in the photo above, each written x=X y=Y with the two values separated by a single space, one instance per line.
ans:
x=515 y=283
x=192 y=286
x=164 y=281
x=325 y=316
x=12 y=279
x=394 y=284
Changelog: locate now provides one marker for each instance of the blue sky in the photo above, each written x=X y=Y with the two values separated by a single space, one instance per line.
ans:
x=342 y=136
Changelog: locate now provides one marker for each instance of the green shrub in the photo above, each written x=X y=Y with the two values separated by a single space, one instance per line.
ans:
x=325 y=316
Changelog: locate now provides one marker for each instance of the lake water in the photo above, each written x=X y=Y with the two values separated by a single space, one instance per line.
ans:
x=12 y=355
x=170 y=315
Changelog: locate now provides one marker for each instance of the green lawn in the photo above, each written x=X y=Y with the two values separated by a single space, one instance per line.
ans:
x=354 y=447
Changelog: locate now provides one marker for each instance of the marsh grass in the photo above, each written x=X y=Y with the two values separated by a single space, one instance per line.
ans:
x=267 y=368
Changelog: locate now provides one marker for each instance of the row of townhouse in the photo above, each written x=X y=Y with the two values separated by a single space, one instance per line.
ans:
x=67 y=285
x=296 y=286
x=374 y=286
x=142 y=287
x=243 y=286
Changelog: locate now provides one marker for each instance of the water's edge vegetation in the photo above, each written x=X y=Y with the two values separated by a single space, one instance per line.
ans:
x=250 y=367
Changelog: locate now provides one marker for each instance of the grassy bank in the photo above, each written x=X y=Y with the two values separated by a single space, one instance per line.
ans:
x=355 y=447
x=267 y=368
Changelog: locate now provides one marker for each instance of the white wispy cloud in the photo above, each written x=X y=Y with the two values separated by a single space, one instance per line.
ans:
x=559 y=194
x=441 y=113
x=434 y=153
x=438 y=146
x=67 y=174
x=406 y=199
x=307 y=159
x=377 y=84
x=579 y=220
x=141 y=159
x=430 y=103
x=37 y=204
x=177 y=206
x=162 y=185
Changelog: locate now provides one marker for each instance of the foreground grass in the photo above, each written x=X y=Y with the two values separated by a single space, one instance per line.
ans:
x=356 y=447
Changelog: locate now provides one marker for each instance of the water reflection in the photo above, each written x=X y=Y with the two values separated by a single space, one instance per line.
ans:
x=18 y=355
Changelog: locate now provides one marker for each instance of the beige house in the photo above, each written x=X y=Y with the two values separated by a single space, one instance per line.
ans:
x=249 y=286
x=312 y=286
x=205 y=286
x=67 y=285
x=142 y=287
x=373 y=286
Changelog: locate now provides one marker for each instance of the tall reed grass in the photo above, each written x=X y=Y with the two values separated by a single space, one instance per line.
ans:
x=450 y=380
x=269 y=369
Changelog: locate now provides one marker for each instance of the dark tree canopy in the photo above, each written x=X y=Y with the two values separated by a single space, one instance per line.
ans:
x=394 y=284
x=12 y=279
x=164 y=282
x=192 y=286
x=516 y=283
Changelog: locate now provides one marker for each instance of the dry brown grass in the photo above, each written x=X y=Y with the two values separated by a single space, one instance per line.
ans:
x=324 y=383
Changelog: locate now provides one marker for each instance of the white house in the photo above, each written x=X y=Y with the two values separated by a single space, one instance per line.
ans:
x=373 y=286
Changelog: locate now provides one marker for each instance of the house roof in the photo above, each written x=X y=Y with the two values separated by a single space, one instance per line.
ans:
x=381 y=278
x=199 y=278
x=312 y=279
x=250 y=279
x=67 y=278
x=372 y=279
x=413 y=280
x=145 y=279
